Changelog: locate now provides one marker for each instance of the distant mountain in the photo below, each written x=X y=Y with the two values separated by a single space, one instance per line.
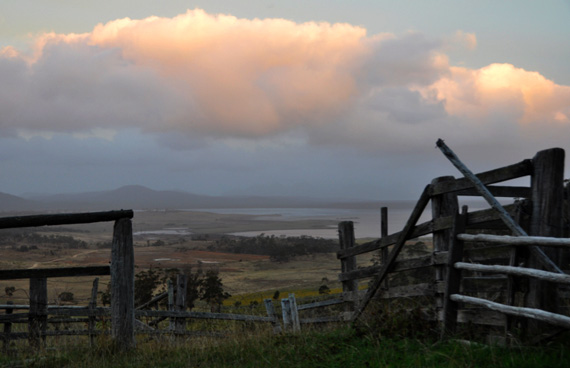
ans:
x=10 y=202
x=139 y=198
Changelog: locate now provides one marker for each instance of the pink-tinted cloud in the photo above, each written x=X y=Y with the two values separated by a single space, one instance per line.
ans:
x=201 y=75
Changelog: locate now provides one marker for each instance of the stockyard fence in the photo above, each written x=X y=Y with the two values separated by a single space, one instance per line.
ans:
x=500 y=269
x=44 y=320
x=485 y=271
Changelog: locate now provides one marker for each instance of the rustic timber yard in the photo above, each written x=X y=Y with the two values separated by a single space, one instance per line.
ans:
x=501 y=272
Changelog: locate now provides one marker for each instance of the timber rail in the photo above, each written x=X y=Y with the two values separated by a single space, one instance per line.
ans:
x=468 y=246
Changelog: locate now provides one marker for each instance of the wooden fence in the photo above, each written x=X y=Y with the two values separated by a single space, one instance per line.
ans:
x=126 y=320
x=462 y=260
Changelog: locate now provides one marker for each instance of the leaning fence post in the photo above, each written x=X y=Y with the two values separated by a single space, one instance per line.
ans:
x=38 y=311
x=346 y=240
x=92 y=305
x=123 y=285
x=294 y=313
x=171 y=302
x=271 y=314
x=453 y=276
x=286 y=312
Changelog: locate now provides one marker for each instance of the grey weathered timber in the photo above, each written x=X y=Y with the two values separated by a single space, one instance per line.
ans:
x=404 y=235
x=516 y=271
x=518 y=170
x=294 y=313
x=537 y=314
x=271 y=314
x=171 y=302
x=508 y=220
x=453 y=277
x=286 y=312
x=92 y=306
x=63 y=219
x=499 y=191
x=180 y=305
x=38 y=311
x=481 y=316
x=348 y=264
x=517 y=240
x=546 y=220
x=54 y=272
x=475 y=218
x=442 y=205
x=324 y=303
x=123 y=285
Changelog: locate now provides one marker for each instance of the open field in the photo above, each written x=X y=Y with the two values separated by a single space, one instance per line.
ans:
x=169 y=239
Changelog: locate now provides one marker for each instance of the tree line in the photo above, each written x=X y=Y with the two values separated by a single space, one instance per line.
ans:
x=279 y=249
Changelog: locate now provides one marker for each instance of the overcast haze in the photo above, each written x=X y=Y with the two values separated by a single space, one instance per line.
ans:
x=307 y=98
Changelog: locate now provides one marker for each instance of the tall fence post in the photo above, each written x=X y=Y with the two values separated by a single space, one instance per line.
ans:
x=123 y=285
x=453 y=277
x=181 y=288
x=294 y=313
x=547 y=184
x=441 y=206
x=286 y=312
x=347 y=240
x=38 y=311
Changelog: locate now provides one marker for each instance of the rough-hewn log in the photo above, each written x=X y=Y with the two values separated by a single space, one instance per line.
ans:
x=63 y=219
x=517 y=240
x=54 y=272
x=537 y=314
x=348 y=264
x=271 y=314
x=517 y=271
x=523 y=168
x=123 y=285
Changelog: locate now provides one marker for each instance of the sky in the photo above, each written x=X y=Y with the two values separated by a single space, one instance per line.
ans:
x=318 y=98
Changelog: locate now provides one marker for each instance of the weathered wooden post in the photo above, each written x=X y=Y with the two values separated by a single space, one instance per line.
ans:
x=123 y=285
x=92 y=306
x=286 y=312
x=441 y=206
x=453 y=276
x=294 y=313
x=181 y=288
x=384 y=233
x=547 y=184
x=349 y=287
x=171 y=303
x=38 y=311
x=271 y=314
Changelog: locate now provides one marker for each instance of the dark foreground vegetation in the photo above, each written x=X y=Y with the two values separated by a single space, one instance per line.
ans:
x=341 y=347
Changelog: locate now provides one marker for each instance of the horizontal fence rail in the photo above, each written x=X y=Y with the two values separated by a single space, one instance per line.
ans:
x=64 y=219
x=517 y=240
x=515 y=271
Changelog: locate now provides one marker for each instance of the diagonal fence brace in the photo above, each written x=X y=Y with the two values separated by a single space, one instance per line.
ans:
x=503 y=214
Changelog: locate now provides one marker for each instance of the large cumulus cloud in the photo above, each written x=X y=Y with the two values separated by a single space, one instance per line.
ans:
x=198 y=75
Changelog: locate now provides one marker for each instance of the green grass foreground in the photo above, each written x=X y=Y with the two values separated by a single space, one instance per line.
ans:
x=336 y=348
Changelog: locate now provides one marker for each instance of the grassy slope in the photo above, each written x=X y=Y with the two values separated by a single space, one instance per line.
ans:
x=336 y=348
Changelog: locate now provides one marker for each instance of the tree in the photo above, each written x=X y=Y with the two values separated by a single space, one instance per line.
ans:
x=212 y=290
x=145 y=284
